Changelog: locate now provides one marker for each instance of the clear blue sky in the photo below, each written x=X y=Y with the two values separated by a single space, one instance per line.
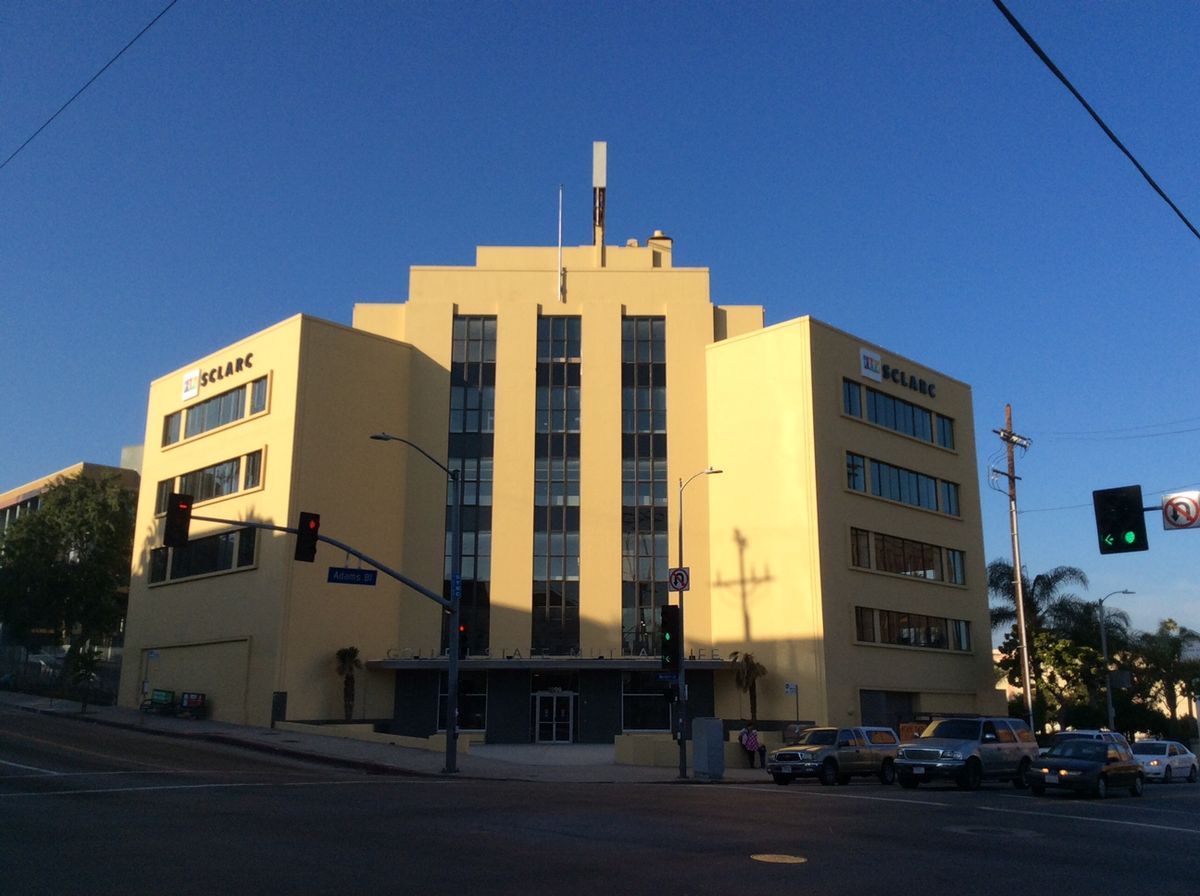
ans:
x=909 y=172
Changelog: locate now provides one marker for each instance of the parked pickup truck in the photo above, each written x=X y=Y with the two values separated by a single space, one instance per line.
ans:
x=834 y=755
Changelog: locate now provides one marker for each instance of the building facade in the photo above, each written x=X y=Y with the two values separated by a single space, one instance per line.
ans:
x=576 y=390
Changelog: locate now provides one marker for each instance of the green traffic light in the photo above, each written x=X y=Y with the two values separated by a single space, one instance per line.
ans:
x=1130 y=537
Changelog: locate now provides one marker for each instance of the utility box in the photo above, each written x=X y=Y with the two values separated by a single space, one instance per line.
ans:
x=708 y=749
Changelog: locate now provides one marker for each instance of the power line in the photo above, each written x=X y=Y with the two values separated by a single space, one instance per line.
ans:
x=88 y=84
x=1092 y=112
x=1088 y=433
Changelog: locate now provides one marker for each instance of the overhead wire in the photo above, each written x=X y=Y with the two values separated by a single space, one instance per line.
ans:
x=1041 y=54
x=46 y=123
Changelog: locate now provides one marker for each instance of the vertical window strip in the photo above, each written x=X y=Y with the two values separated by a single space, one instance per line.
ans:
x=471 y=419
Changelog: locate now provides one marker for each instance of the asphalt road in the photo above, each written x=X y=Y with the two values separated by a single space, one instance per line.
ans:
x=96 y=810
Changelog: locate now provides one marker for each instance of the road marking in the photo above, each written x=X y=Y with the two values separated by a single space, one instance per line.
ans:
x=775 y=859
x=29 y=768
x=163 y=787
x=842 y=796
x=1115 y=821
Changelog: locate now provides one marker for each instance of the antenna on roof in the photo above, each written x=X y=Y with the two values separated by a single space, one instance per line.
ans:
x=562 y=273
x=599 y=184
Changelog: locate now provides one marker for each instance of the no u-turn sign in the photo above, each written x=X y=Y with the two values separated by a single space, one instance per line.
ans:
x=1181 y=510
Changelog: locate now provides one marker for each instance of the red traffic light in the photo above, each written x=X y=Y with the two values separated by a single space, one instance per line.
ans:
x=179 y=520
x=306 y=536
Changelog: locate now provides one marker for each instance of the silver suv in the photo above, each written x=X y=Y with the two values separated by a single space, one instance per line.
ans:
x=968 y=751
x=833 y=755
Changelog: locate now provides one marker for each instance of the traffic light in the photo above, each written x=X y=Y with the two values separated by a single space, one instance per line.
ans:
x=1120 y=520
x=179 y=518
x=463 y=649
x=306 y=536
x=671 y=638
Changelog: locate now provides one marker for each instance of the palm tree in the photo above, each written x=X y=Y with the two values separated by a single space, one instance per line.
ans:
x=1161 y=653
x=347 y=662
x=1046 y=607
x=746 y=673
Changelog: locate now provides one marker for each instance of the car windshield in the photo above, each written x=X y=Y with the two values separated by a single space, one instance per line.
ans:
x=1077 y=748
x=1144 y=749
x=822 y=737
x=953 y=729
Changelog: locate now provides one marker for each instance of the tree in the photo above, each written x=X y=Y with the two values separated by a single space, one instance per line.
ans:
x=1046 y=606
x=746 y=673
x=1159 y=656
x=347 y=662
x=65 y=567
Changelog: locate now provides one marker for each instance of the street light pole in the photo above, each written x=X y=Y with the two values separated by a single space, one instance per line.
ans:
x=452 y=656
x=708 y=471
x=1104 y=652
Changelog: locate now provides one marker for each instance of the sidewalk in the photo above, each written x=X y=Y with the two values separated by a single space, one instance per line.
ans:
x=568 y=763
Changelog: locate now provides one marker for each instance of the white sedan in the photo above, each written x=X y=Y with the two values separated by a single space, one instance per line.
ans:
x=1166 y=761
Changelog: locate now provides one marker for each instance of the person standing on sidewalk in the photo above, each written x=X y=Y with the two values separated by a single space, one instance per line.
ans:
x=748 y=738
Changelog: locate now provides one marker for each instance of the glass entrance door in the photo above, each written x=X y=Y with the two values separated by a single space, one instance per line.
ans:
x=554 y=712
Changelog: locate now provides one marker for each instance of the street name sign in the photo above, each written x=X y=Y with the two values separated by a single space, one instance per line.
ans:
x=348 y=575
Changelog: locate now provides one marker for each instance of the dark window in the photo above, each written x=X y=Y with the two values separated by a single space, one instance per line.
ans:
x=945 y=432
x=864 y=618
x=851 y=398
x=171 y=428
x=163 y=495
x=215 y=553
x=470 y=445
x=555 y=587
x=860 y=548
x=644 y=541
x=642 y=705
x=856 y=472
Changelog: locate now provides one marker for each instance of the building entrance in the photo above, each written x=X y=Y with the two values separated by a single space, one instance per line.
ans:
x=554 y=717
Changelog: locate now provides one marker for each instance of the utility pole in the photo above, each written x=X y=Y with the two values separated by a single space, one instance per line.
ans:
x=1011 y=441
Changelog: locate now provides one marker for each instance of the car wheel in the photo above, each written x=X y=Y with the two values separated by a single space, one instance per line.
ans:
x=782 y=780
x=971 y=777
x=829 y=774
x=1192 y=775
x=1137 y=787
x=1167 y=775
x=1019 y=781
x=887 y=774
x=908 y=782
x=1037 y=789
x=1100 y=788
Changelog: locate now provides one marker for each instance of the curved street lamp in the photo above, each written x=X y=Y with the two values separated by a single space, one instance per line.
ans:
x=683 y=483
x=1104 y=653
x=455 y=477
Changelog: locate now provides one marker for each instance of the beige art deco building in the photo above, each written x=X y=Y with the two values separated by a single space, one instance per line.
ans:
x=575 y=389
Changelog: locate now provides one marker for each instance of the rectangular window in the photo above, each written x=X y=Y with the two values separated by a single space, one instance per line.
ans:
x=864 y=618
x=470 y=426
x=558 y=399
x=642 y=705
x=856 y=472
x=171 y=428
x=899 y=415
x=860 y=548
x=223 y=552
x=945 y=432
x=906 y=557
x=258 y=396
x=163 y=494
x=950 y=498
x=903 y=485
x=851 y=398
x=253 y=470
x=644 y=540
x=955 y=567
x=917 y=630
